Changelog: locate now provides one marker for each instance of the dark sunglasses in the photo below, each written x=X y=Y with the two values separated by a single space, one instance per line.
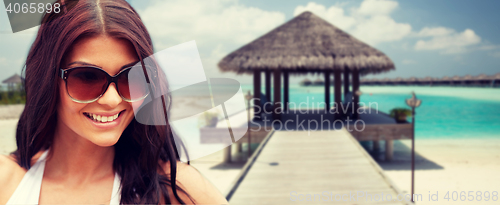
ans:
x=87 y=84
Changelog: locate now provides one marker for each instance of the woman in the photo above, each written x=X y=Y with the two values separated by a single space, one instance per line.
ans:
x=77 y=139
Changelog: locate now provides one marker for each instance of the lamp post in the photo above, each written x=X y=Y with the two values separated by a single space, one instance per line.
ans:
x=248 y=96
x=413 y=102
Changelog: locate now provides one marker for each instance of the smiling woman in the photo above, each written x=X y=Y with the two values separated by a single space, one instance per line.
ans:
x=102 y=119
x=77 y=139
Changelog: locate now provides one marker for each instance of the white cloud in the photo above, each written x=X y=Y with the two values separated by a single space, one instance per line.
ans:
x=447 y=40
x=217 y=26
x=377 y=7
x=436 y=31
x=408 y=61
x=370 y=22
x=208 y=21
x=381 y=29
x=334 y=14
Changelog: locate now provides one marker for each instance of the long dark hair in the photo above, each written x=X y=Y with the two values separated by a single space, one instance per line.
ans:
x=141 y=149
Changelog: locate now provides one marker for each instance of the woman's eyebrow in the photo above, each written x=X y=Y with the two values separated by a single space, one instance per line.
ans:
x=83 y=63
x=130 y=64
x=90 y=64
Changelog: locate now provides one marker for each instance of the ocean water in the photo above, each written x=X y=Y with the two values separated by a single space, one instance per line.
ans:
x=445 y=112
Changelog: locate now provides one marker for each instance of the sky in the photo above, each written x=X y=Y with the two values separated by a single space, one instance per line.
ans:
x=423 y=38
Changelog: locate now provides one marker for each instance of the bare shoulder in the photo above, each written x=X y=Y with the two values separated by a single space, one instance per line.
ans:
x=10 y=176
x=8 y=168
x=196 y=185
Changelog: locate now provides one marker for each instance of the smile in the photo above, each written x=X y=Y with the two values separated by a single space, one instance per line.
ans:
x=102 y=118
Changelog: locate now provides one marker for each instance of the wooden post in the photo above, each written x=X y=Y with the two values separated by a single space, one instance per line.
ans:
x=227 y=154
x=412 y=151
x=376 y=145
x=286 y=90
x=376 y=148
x=277 y=95
x=256 y=93
x=338 y=93
x=249 y=134
x=239 y=147
x=389 y=148
x=355 y=87
x=268 y=85
x=327 y=91
x=346 y=83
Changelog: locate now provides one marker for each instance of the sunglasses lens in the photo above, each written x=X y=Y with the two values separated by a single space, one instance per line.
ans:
x=132 y=83
x=86 y=84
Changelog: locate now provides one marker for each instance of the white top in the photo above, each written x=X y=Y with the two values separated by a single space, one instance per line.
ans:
x=28 y=191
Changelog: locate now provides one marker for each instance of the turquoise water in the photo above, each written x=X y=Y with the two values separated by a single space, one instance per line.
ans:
x=446 y=112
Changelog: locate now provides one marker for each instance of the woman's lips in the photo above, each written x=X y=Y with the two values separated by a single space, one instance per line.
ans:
x=104 y=120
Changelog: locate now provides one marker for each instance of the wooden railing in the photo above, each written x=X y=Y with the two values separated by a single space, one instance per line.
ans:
x=383 y=132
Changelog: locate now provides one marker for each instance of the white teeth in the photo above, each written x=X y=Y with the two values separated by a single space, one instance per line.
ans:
x=100 y=118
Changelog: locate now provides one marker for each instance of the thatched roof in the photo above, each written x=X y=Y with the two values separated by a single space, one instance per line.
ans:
x=446 y=78
x=467 y=77
x=495 y=77
x=13 y=79
x=481 y=77
x=306 y=82
x=306 y=43
x=319 y=80
x=412 y=79
x=427 y=79
x=398 y=79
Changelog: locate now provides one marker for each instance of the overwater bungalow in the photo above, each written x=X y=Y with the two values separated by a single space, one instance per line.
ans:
x=412 y=81
x=427 y=80
x=384 y=81
x=466 y=80
x=456 y=80
x=446 y=80
x=305 y=82
x=495 y=80
x=307 y=44
x=366 y=81
x=319 y=82
x=374 y=81
x=397 y=81
x=482 y=80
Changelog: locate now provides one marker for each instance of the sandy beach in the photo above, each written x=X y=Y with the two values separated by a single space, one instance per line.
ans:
x=446 y=166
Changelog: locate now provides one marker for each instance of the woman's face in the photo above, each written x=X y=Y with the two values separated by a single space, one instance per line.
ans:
x=74 y=119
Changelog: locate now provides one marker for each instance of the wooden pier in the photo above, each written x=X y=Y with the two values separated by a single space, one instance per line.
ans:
x=329 y=165
x=379 y=127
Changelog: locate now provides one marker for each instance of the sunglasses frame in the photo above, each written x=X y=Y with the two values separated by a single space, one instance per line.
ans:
x=110 y=79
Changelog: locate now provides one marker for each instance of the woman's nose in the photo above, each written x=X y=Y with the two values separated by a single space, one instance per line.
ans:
x=110 y=98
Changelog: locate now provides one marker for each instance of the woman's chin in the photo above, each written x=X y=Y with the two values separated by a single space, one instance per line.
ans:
x=105 y=140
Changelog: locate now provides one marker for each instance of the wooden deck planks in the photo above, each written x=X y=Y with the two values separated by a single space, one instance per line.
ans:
x=330 y=161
